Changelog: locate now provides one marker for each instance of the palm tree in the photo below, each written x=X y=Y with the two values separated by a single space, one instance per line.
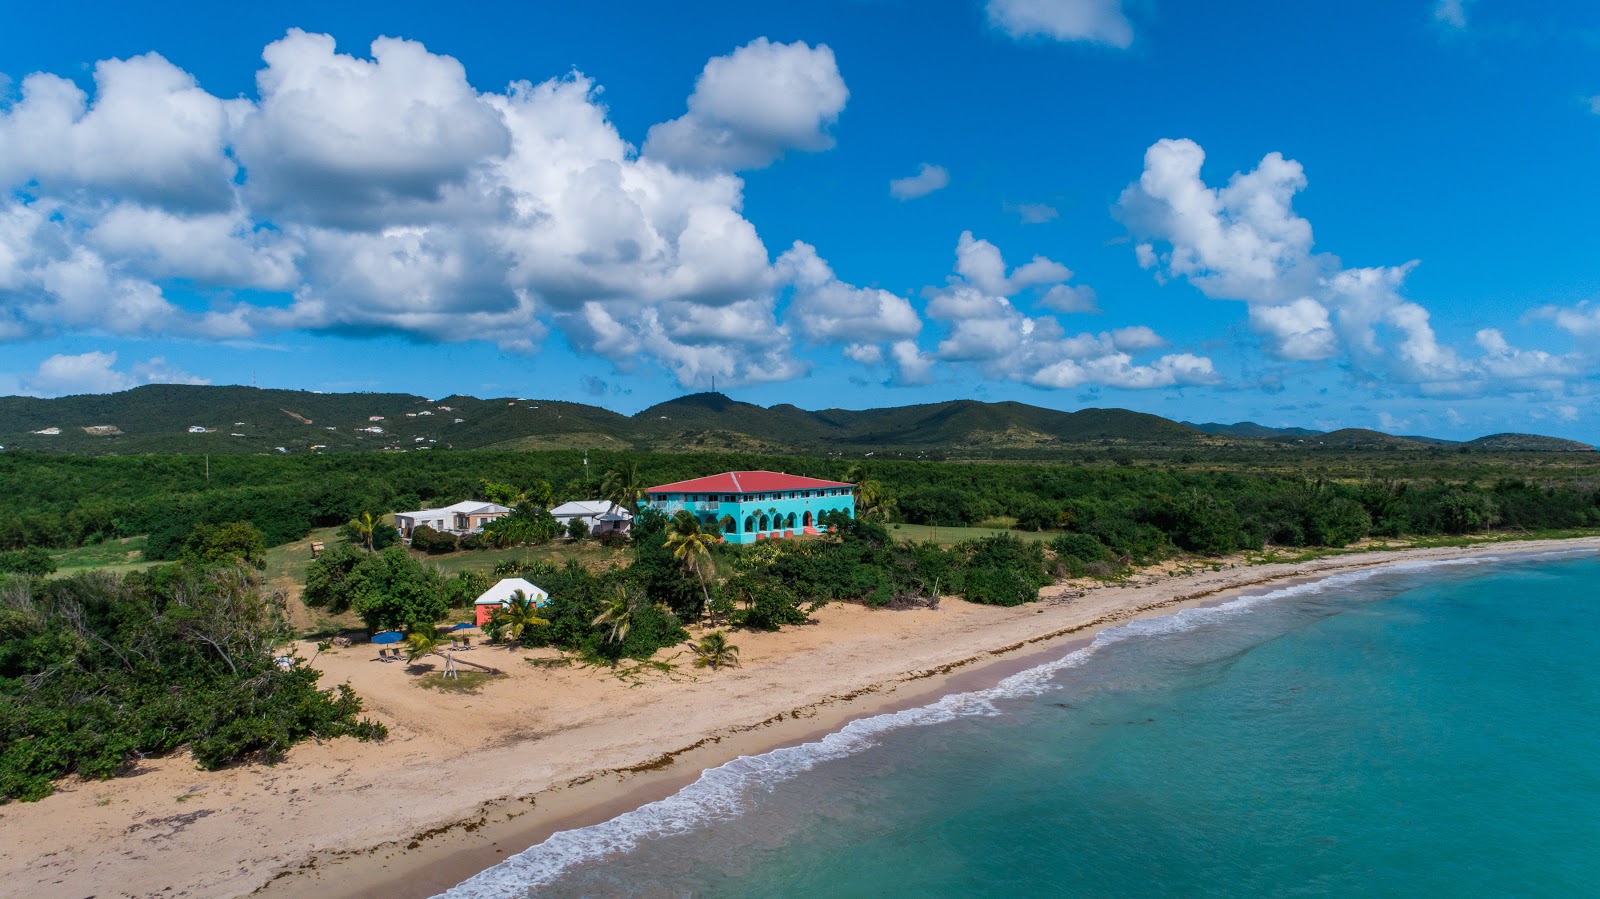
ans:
x=426 y=642
x=623 y=486
x=713 y=651
x=618 y=612
x=856 y=473
x=364 y=526
x=519 y=614
x=691 y=546
x=873 y=503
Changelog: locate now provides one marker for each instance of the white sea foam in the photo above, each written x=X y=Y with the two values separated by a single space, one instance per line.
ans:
x=726 y=791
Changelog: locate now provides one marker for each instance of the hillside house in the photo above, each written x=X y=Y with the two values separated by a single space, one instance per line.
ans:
x=755 y=505
x=466 y=517
x=600 y=516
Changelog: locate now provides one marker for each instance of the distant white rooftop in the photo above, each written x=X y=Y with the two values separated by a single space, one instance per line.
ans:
x=591 y=508
x=465 y=507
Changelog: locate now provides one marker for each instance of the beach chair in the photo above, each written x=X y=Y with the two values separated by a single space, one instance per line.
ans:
x=466 y=642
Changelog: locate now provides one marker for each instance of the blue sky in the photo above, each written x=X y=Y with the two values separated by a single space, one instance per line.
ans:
x=1369 y=214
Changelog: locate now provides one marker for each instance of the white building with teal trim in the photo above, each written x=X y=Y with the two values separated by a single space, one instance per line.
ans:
x=755 y=505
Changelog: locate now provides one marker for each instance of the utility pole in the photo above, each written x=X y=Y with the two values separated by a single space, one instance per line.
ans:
x=208 y=468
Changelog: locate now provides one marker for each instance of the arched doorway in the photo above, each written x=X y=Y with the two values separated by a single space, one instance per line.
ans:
x=729 y=525
x=807 y=519
x=764 y=524
x=749 y=523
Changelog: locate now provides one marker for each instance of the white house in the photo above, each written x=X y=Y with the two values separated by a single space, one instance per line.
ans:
x=466 y=517
x=599 y=515
x=500 y=594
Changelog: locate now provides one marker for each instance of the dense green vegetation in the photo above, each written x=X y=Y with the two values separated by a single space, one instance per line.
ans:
x=1136 y=506
x=97 y=672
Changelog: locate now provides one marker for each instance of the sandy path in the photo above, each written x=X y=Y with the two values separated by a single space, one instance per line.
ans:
x=463 y=779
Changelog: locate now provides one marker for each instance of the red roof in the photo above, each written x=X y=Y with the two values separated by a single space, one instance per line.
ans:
x=747 y=482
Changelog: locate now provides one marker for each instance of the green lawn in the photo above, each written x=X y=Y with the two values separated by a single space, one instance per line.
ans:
x=587 y=552
x=291 y=560
x=943 y=536
x=120 y=556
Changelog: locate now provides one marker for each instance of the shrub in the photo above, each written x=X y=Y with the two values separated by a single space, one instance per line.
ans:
x=33 y=562
x=577 y=530
x=433 y=542
x=389 y=590
x=205 y=676
x=463 y=589
x=1076 y=552
x=234 y=543
x=1003 y=571
x=767 y=603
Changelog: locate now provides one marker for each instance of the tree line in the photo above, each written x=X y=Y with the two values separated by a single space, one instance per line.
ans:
x=57 y=502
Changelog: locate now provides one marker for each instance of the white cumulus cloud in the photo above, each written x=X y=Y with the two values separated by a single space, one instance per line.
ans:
x=985 y=327
x=823 y=308
x=335 y=139
x=928 y=179
x=95 y=372
x=1244 y=241
x=753 y=105
x=1299 y=329
x=150 y=134
x=385 y=194
x=1098 y=21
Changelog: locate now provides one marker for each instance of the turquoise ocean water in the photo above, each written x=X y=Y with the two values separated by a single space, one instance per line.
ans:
x=1429 y=729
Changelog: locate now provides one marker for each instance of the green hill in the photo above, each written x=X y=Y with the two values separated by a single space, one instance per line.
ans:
x=1363 y=439
x=221 y=420
x=1249 y=429
x=1527 y=443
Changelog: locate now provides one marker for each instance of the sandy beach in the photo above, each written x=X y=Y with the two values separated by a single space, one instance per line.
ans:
x=465 y=780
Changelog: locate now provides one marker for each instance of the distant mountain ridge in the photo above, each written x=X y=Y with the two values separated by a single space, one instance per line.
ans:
x=173 y=418
x=1249 y=429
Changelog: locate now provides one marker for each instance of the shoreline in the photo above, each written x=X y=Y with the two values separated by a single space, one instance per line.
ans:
x=333 y=819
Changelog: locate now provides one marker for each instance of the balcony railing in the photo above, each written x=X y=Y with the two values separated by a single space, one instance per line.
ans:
x=679 y=506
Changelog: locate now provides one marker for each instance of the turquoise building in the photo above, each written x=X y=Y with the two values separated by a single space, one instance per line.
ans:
x=755 y=505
